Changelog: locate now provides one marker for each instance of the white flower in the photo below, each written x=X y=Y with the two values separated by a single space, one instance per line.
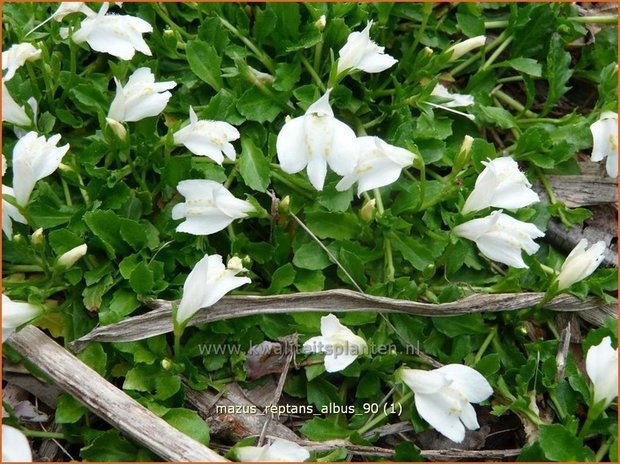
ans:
x=455 y=100
x=118 y=35
x=15 y=314
x=15 y=446
x=208 y=138
x=321 y=23
x=501 y=238
x=502 y=185
x=581 y=263
x=11 y=111
x=602 y=368
x=10 y=213
x=466 y=46
x=66 y=8
x=259 y=77
x=379 y=164
x=16 y=56
x=340 y=345
x=605 y=138
x=69 y=258
x=443 y=397
x=208 y=208
x=34 y=158
x=279 y=451
x=317 y=139
x=362 y=53
x=140 y=98
x=206 y=284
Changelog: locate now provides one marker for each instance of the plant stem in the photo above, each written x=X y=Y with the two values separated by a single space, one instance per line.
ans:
x=602 y=451
x=315 y=77
x=508 y=100
x=496 y=53
x=41 y=434
x=387 y=244
x=603 y=19
x=260 y=55
x=485 y=344
x=163 y=15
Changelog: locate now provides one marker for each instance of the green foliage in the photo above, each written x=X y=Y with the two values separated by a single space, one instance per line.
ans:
x=253 y=65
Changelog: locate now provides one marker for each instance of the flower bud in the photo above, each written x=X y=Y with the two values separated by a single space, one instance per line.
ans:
x=466 y=46
x=464 y=154
x=69 y=258
x=369 y=210
x=117 y=128
x=166 y=364
x=258 y=77
x=427 y=51
x=321 y=23
x=37 y=237
x=235 y=264
x=285 y=205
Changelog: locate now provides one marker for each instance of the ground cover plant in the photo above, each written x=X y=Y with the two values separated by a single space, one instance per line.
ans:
x=383 y=183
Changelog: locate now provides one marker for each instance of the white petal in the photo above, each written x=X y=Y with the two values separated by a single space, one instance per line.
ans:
x=435 y=410
x=193 y=290
x=321 y=107
x=469 y=418
x=221 y=286
x=285 y=451
x=342 y=153
x=337 y=362
x=377 y=62
x=204 y=225
x=250 y=453
x=11 y=111
x=471 y=383
x=291 y=146
x=15 y=445
x=424 y=382
x=353 y=51
x=602 y=368
x=316 y=344
x=497 y=248
x=317 y=170
x=330 y=325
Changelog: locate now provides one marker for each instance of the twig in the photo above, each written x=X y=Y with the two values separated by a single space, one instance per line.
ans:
x=106 y=400
x=159 y=321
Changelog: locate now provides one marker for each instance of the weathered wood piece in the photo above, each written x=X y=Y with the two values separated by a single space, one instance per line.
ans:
x=578 y=191
x=107 y=401
x=159 y=321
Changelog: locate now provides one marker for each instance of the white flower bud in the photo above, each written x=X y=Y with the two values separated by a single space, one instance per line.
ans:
x=117 y=128
x=69 y=258
x=466 y=46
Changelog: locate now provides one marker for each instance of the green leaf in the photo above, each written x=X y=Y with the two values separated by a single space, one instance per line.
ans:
x=188 y=422
x=150 y=378
x=526 y=65
x=471 y=25
x=341 y=226
x=95 y=357
x=407 y=452
x=142 y=279
x=122 y=304
x=309 y=281
x=558 y=72
x=253 y=165
x=490 y=115
x=110 y=446
x=319 y=429
x=559 y=444
x=283 y=277
x=256 y=106
x=106 y=225
x=69 y=410
x=133 y=233
x=461 y=325
x=311 y=256
x=205 y=63
x=63 y=240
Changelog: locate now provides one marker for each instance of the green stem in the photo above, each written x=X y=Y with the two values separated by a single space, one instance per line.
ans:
x=508 y=100
x=289 y=181
x=427 y=9
x=602 y=451
x=318 y=51
x=510 y=79
x=371 y=423
x=465 y=64
x=485 y=344
x=387 y=244
x=603 y=19
x=496 y=53
x=163 y=15
x=496 y=24
x=260 y=55
x=315 y=77
x=22 y=268
x=41 y=434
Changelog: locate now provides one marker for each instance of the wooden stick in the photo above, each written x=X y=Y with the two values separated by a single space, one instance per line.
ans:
x=107 y=401
x=159 y=321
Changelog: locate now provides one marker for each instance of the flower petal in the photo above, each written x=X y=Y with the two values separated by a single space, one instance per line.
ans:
x=434 y=410
x=421 y=381
x=471 y=383
x=291 y=146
